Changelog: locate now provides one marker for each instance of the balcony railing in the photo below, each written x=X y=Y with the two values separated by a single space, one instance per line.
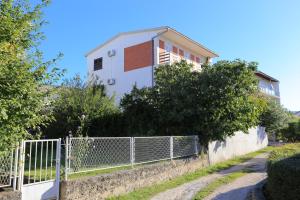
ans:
x=164 y=58
x=269 y=92
x=169 y=58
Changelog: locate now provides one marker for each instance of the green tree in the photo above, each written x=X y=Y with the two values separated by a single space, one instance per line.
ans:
x=22 y=72
x=77 y=106
x=228 y=99
x=214 y=103
x=140 y=112
x=274 y=118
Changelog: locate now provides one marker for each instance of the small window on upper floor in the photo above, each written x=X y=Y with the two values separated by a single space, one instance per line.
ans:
x=98 y=64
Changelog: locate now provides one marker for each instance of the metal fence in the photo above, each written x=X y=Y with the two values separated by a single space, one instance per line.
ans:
x=6 y=168
x=9 y=168
x=92 y=153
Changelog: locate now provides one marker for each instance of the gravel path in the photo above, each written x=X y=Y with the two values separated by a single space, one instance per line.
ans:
x=240 y=188
x=188 y=190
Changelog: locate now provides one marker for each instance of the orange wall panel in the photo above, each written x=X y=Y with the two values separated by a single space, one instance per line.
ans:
x=138 y=56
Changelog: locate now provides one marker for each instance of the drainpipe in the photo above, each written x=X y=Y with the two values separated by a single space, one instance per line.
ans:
x=159 y=34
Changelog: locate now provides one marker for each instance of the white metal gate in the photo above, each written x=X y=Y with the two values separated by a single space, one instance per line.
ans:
x=40 y=169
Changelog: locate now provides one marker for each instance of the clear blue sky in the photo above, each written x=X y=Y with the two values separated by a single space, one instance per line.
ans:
x=266 y=31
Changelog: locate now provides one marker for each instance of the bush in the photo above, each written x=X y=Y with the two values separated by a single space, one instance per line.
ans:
x=82 y=108
x=275 y=117
x=284 y=173
x=292 y=132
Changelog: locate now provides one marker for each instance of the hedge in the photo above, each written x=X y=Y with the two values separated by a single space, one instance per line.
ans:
x=284 y=173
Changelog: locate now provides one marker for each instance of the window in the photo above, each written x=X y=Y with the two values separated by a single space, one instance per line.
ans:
x=98 y=64
x=161 y=44
x=192 y=57
x=175 y=50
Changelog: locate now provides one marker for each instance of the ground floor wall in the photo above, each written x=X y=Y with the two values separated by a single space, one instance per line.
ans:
x=239 y=144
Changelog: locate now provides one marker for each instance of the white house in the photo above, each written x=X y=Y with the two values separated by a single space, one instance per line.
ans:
x=268 y=85
x=130 y=58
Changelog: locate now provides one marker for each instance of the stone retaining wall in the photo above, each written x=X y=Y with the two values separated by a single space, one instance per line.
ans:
x=10 y=195
x=102 y=186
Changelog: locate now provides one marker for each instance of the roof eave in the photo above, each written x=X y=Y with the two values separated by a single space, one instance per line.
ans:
x=266 y=76
x=124 y=33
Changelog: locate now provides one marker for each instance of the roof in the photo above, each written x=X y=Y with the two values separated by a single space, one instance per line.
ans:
x=161 y=30
x=265 y=76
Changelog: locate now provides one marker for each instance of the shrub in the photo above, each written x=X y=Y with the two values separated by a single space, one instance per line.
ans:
x=79 y=107
x=292 y=132
x=284 y=173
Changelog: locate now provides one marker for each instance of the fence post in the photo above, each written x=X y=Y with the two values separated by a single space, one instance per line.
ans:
x=21 y=165
x=132 y=153
x=57 y=166
x=171 y=147
x=66 y=158
x=196 y=144
x=16 y=167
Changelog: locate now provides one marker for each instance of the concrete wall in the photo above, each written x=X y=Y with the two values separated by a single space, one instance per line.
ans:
x=239 y=144
x=103 y=186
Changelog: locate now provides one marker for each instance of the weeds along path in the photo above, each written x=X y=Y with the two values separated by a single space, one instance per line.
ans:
x=188 y=190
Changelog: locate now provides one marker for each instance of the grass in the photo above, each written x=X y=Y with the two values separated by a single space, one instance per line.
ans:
x=210 y=188
x=97 y=172
x=147 y=192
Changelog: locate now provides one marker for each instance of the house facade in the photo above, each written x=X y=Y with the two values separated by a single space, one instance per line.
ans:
x=268 y=85
x=130 y=58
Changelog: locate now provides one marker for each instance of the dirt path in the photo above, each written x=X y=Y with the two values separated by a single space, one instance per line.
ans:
x=188 y=190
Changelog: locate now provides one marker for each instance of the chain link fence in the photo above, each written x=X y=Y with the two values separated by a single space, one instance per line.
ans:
x=6 y=168
x=93 y=153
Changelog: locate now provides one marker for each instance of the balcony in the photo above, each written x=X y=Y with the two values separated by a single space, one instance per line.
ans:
x=169 y=58
x=269 y=92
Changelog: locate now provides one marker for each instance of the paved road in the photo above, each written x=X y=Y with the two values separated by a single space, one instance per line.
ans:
x=237 y=190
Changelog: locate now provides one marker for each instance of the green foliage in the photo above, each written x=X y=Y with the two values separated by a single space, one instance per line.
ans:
x=23 y=100
x=228 y=98
x=284 y=173
x=78 y=105
x=213 y=103
x=139 y=111
x=274 y=117
x=292 y=132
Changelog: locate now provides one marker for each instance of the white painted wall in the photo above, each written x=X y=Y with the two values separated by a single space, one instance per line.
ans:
x=113 y=67
x=237 y=145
